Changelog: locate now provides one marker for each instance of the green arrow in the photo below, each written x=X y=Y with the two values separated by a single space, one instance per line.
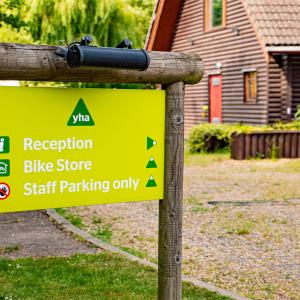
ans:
x=151 y=164
x=151 y=182
x=81 y=116
x=150 y=143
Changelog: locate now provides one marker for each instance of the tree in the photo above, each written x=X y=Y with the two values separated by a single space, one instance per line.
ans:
x=109 y=21
x=10 y=13
x=12 y=27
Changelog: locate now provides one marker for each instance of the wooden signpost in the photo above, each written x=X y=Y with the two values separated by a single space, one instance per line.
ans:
x=173 y=71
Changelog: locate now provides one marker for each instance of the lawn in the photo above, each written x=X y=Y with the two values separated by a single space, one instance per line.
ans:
x=205 y=159
x=85 y=277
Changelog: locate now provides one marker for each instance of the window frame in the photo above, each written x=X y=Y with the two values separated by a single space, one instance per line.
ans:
x=248 y=99
x=208 y=16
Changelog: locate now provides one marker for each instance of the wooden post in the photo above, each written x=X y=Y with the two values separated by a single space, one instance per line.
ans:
x=170 y=208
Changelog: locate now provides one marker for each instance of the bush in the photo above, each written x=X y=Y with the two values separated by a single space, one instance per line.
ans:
x=207 y=138
x=214 y=137
x=295 y=125
x=297 y=114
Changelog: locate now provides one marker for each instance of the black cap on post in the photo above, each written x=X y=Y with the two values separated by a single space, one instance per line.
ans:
x=80 y=54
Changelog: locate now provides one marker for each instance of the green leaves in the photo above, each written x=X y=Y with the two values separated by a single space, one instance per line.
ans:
x=51 y=21
x=297 y=114
x=12 y=23
x=213 y=137
x=62 y=22
x=10 y=13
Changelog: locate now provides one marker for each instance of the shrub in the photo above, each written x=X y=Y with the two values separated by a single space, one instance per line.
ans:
x=214 y=137
x=207 y=138
x=297 y=114
x=295 y=125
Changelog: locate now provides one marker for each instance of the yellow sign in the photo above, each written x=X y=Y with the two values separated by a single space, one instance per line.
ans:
x=71 y=147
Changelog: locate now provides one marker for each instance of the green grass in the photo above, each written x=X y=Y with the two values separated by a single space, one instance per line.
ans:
x=282 y=166
x=199 y=208
x=241 y=228
x=73 y=219
x=205 y=159
x=85 y=277
x=104 y=234
x=135 y=252
x=10 y=249
x=97 y=220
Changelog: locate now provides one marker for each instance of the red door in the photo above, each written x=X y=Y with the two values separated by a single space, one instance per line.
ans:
x=215 y=98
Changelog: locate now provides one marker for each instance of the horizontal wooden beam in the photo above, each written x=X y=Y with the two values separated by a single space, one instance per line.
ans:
x=40 y=63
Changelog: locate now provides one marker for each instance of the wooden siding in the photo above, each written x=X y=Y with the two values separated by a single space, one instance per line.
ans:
x=295 y=70
x=275 y=91
x=284 y=86
x=235 y=51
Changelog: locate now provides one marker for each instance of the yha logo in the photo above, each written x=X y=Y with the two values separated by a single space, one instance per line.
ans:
x=80 y=118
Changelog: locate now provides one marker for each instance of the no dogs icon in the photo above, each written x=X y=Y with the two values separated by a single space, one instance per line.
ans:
x=4 y=190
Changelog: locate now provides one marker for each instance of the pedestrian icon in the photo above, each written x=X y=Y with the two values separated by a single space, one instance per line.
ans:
x=151 y=182
x=151 y=164
x=4 y=191
x=4 y=144
x=150 y=143
x=4 y=167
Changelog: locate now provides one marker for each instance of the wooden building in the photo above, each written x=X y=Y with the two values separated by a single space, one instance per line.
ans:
x=251 y=53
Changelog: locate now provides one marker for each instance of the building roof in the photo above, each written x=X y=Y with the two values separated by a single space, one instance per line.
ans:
x=163 y=24
x=277 y=22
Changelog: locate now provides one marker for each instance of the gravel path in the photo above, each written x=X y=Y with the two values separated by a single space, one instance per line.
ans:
x=252 y=250
x=32 y=234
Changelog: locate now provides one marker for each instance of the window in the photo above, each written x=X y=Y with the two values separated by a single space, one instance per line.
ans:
x=214 y=14
x=250 y=86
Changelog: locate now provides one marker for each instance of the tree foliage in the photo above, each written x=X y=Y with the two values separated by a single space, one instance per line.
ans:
x=108 y=21
x=12 y=24
x=10 y=13
x=62 y=22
